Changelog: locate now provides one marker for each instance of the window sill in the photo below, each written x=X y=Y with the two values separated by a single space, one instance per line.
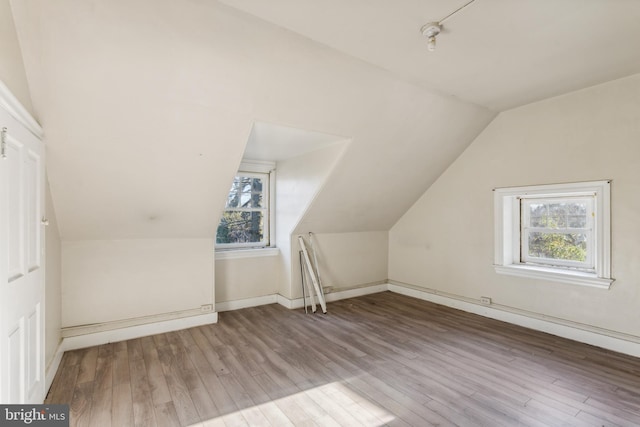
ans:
x=555 y=275
x=245 y=253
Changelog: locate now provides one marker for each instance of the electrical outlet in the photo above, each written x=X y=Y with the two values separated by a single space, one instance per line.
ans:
x=485 y=300
x=206 y=308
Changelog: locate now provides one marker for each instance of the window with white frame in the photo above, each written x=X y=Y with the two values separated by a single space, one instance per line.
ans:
x=246 y=220
x=559 y=232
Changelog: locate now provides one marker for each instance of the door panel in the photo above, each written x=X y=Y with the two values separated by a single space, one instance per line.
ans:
x=21 y=262
x=15 y=208
x=33 y=214
x=33 y=332
x=15 y=339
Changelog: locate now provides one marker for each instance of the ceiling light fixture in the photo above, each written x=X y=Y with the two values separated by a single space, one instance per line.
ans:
x=431 y=29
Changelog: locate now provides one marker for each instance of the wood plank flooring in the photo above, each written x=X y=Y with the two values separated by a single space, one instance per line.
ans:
x=382 y=359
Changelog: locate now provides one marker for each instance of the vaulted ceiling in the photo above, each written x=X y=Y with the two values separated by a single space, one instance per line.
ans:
x=148 y=105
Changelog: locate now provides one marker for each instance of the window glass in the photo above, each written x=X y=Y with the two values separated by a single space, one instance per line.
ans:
x=245 y=221
x=557 y=231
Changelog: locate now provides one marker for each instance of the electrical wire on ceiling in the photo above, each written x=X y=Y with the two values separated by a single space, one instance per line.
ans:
x=431 y=29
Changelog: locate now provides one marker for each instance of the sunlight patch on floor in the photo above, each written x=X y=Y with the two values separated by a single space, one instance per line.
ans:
x=329 y=404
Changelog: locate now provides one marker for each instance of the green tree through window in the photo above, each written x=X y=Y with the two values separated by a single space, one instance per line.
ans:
x=556 y=229
x=245 y=219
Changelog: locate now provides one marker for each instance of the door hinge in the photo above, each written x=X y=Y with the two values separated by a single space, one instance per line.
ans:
x=3 y=143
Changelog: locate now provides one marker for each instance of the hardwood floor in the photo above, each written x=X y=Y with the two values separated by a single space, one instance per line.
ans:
x=383 y=359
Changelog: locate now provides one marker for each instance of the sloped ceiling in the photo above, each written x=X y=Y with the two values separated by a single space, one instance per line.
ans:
x=495 y=53
x=147 y=107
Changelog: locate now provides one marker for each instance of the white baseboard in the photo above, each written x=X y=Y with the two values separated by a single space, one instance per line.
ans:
x=355 y=292
x=247 y=302
x=336 y=296
x=582 y=333
x=130 y=332
x=298 y=302
x=53 y=368
x=288 y=303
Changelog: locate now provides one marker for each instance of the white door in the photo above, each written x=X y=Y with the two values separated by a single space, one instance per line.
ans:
x=21 y=265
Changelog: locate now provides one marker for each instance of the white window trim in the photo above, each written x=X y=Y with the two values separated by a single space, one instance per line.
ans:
x=507 y=233
x=252 y=250
x=238 y=253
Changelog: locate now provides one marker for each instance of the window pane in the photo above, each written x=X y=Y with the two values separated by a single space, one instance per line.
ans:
x=577 y=221
x=557 y=215
x=578 y=214
x=240 y=227
x=245 y=192
x=562 y=246
x=578 y=208
x=234 y=197
x=245 y=199
x=537 y=215
x=256 y=193
x=571 y=214
x=245 y=188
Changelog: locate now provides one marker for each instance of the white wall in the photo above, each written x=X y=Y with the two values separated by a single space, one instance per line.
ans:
x=298 y=181
x=243 y=278
x=12 y=71
x=109 y=280
x=445 y=241
x=52 y=282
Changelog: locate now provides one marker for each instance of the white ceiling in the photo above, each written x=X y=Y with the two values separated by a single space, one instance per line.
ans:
x=495 y=53
x=147 y=108
x=274 y=143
